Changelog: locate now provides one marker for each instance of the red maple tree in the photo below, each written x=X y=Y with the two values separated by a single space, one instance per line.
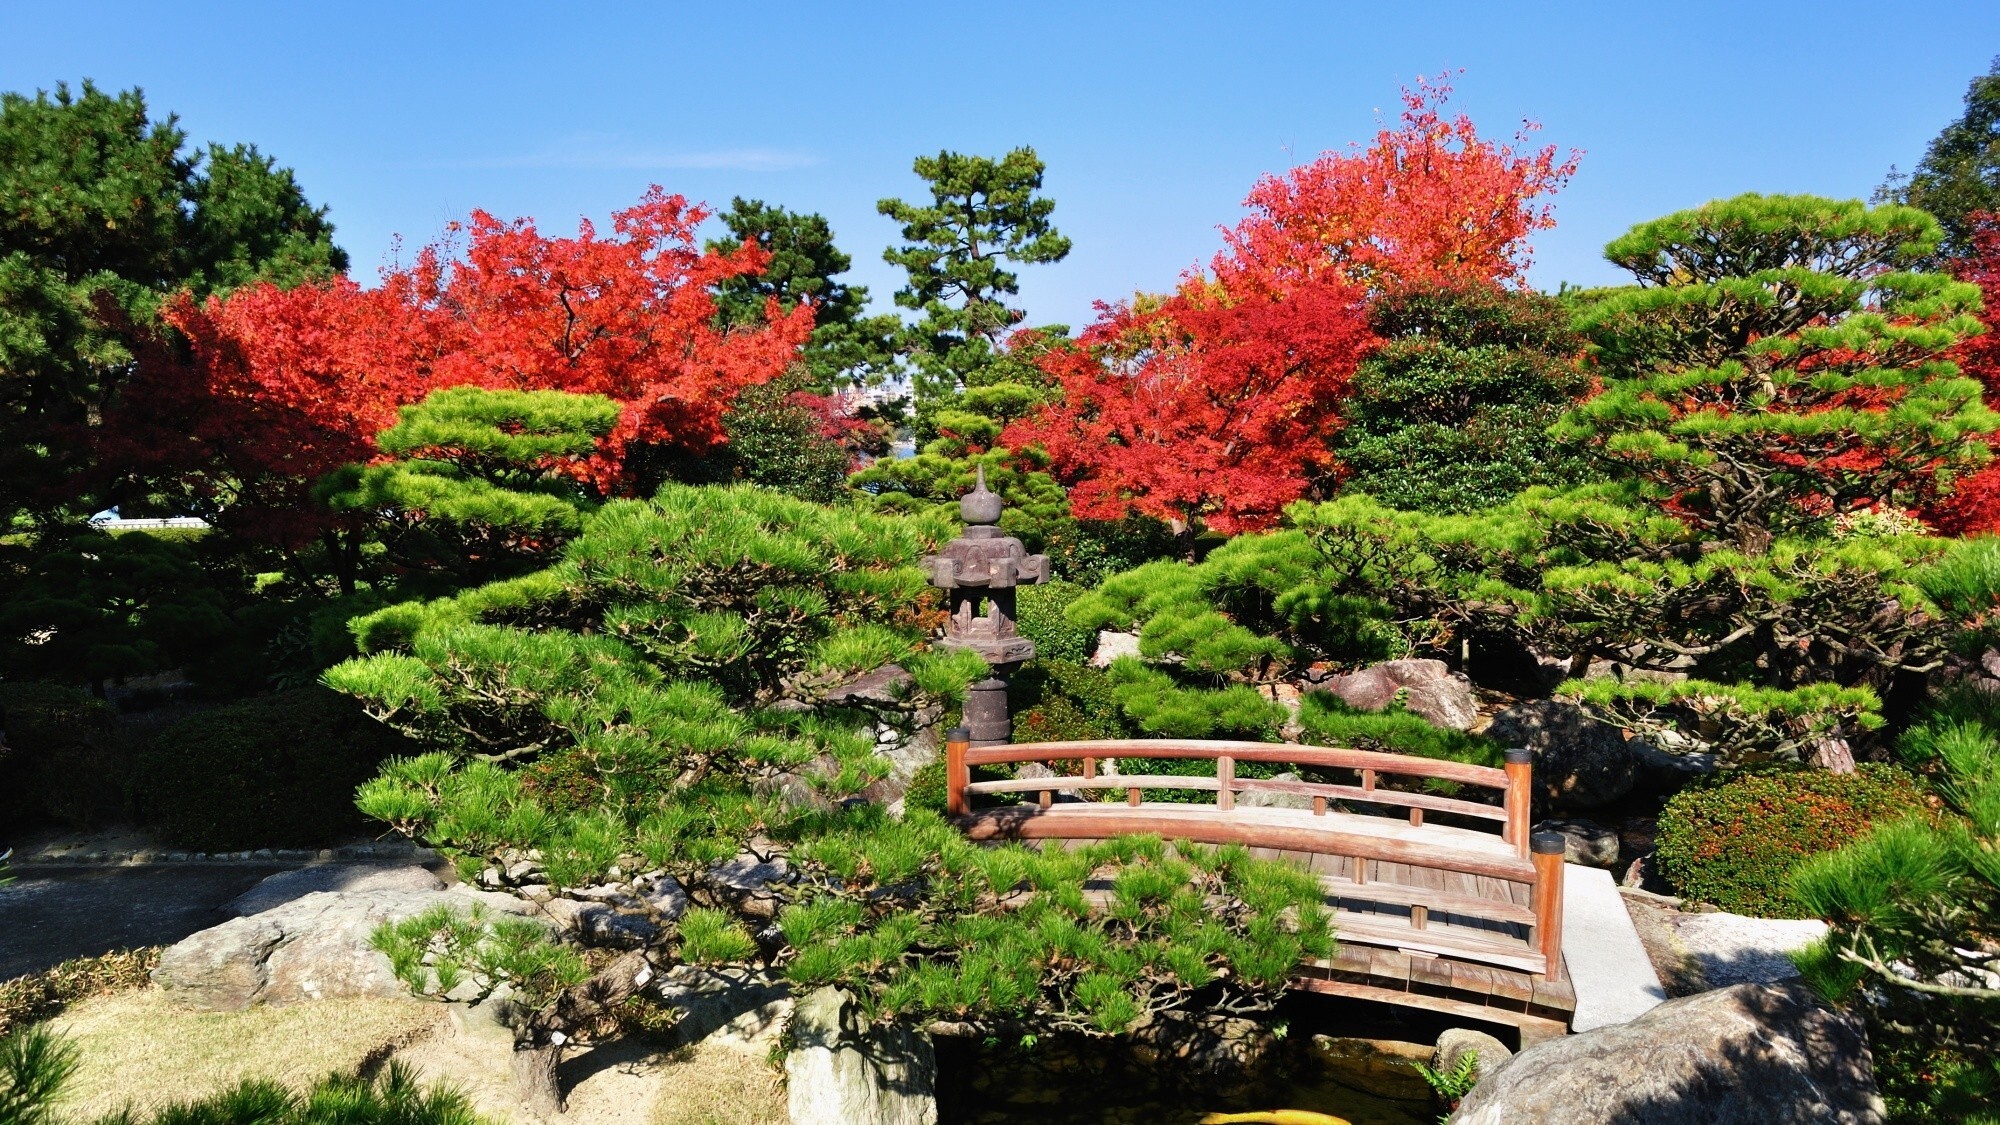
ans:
x=1215 y=406
x=1973 y=507
x=1431 y=202
x=277 y=387
x=1200 y=410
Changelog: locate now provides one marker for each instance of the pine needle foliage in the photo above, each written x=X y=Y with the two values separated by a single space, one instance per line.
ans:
x=925 y=925
x=482 y=483
x=1781 y=362
x=1914 y=910
x=34 y=1065
x=650 y=663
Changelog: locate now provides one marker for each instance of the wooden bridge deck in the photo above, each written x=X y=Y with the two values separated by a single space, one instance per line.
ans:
x=1430 y=910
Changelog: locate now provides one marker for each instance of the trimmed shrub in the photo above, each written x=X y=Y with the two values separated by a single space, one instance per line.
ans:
x=1059 y=701
x=1734 y=843
x=65 y=758
x=274 y=771
x=1041 y=615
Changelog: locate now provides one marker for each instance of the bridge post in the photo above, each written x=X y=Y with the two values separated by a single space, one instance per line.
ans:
x=1549 y=848
x=957 y=775
x=1520 y=798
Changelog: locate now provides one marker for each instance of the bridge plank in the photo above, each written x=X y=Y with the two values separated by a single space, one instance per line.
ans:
x=1533 y=1028
x=1389 y=965
x=1501 y=910
x=1513 y=986
x=1430 y=971
x=1373 y=930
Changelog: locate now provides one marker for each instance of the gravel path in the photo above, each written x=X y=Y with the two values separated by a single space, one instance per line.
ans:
x=1695 y=952
x=49 y=916
x=1732 y=949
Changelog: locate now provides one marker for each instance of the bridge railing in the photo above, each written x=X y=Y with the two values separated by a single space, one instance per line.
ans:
x=1513 y=782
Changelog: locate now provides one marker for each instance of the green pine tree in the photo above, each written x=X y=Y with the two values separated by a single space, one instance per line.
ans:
x=1959 y=175
x=983 y=216
x=483 y=484
x=1780 y=363
x=847 y=347
x=104 y=213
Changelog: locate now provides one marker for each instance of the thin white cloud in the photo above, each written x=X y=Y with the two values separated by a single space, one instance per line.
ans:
x=732 y=160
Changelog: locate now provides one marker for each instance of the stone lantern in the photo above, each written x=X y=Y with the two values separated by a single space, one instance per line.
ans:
x=979 y=570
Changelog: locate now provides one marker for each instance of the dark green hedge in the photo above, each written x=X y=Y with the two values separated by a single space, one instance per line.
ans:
x=66 y=759
x=270 y=772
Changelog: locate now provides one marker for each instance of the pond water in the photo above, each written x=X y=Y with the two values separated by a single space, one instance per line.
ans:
x=1092 y=1082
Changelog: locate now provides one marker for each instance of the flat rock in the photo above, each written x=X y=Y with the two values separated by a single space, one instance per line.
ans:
x=734 y=1007
x=1587 y=842
x=842 y=1071
x=344 y=877
x=318 y=946
x=1111 y=645
x=599 y=924
x=1746 y=1055
x=748 y=873
x=884 y=687
x=664 y=896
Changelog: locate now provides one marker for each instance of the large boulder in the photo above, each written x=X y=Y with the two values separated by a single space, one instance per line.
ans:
x=285 y=886
x=1580 y=762
x=1428 y=687
x=318 y=946
x=1747 y=1055
x=841 y=1070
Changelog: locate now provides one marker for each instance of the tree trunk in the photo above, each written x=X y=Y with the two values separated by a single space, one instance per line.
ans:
x=1833 y=755
x=539 y=1042
x=535 y=1079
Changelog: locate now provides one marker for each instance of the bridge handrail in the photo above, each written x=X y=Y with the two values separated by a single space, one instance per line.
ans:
x=1513 y=781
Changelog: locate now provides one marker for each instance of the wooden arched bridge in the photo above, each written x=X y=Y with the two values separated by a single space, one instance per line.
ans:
x=1439 y=902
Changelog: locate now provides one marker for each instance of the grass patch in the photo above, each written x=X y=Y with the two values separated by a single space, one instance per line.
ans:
x=143 y=1050
x=708 y=1084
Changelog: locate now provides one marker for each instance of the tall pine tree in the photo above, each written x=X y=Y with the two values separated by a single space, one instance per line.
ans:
x=847 y=348
x=1780 y=362
x=983 y=216
x=1959 y=177
x=105 y=213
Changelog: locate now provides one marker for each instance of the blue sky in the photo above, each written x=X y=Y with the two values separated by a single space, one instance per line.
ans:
x=1154 y=118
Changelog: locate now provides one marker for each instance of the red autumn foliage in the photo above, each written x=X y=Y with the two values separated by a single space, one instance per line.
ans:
x=1216 y=406
x=1429 y=203
x=1201 y=410
x=1973 y=508
x=278 y=387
